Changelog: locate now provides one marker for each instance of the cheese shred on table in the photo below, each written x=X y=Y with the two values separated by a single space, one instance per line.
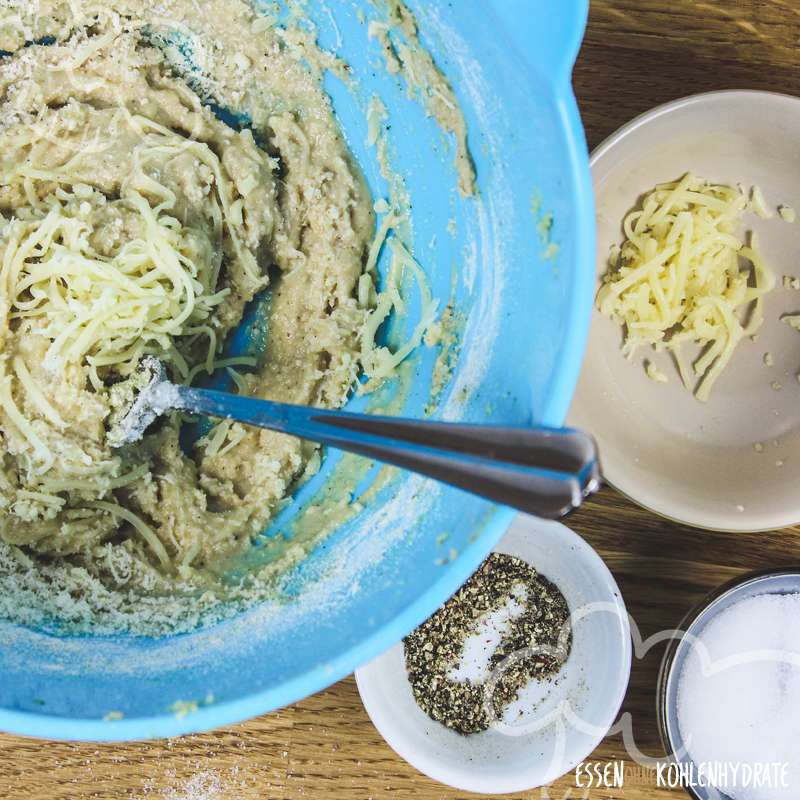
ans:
x=684 y=276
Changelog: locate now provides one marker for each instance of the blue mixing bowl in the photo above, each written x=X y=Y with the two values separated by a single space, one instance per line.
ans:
x=527 y=308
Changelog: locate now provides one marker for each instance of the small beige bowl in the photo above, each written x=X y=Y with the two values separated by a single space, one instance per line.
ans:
x=732 y=463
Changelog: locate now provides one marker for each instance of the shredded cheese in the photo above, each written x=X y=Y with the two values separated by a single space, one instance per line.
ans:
x=104 y=308
x=43 y=457
x=220 y=363
x=42 y=497
x=758 y=204
x=677 y=278
x=238 y=380
x=654 y=373
x=379 y=362
x=792 y=320
x=43 y=405
x=144 y=530
x=99 y=310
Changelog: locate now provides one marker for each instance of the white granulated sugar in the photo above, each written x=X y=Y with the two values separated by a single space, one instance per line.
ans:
x=739 y=693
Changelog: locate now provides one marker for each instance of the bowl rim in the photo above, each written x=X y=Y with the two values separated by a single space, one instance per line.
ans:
x=671 y=105
x=663 y=507
x=518 y=782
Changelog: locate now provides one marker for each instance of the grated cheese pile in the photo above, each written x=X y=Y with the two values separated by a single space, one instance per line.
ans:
x=103 y=281
x=682 y=277
x=106 y=310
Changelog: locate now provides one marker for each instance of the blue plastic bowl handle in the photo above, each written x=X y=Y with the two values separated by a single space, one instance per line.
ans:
x=547 y=33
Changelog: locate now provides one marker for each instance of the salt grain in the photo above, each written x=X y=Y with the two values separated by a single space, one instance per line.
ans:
x=202 y=786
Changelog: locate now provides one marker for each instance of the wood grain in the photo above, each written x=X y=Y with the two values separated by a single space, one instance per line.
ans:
x=637 y=53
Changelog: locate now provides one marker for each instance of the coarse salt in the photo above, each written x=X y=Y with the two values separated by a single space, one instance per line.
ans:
x=738 y=699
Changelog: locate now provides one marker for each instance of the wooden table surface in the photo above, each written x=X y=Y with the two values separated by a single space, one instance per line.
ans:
x=637 y=54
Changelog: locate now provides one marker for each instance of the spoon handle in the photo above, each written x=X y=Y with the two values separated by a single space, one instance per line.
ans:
x=543 y=471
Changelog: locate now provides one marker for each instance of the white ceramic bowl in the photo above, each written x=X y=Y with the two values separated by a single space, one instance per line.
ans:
x=562 y=722
x=732 y=463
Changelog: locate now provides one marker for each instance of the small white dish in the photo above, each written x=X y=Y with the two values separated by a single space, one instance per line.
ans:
x=732 y=463
x=569 y=718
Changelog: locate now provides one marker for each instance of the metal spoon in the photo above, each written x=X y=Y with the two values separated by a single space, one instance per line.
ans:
x=543 y=471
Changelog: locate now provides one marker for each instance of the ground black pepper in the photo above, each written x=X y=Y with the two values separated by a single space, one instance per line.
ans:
x=434 y=651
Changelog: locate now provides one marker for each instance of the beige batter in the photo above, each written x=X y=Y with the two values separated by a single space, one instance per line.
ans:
x=112 y=164
x=106 y=111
